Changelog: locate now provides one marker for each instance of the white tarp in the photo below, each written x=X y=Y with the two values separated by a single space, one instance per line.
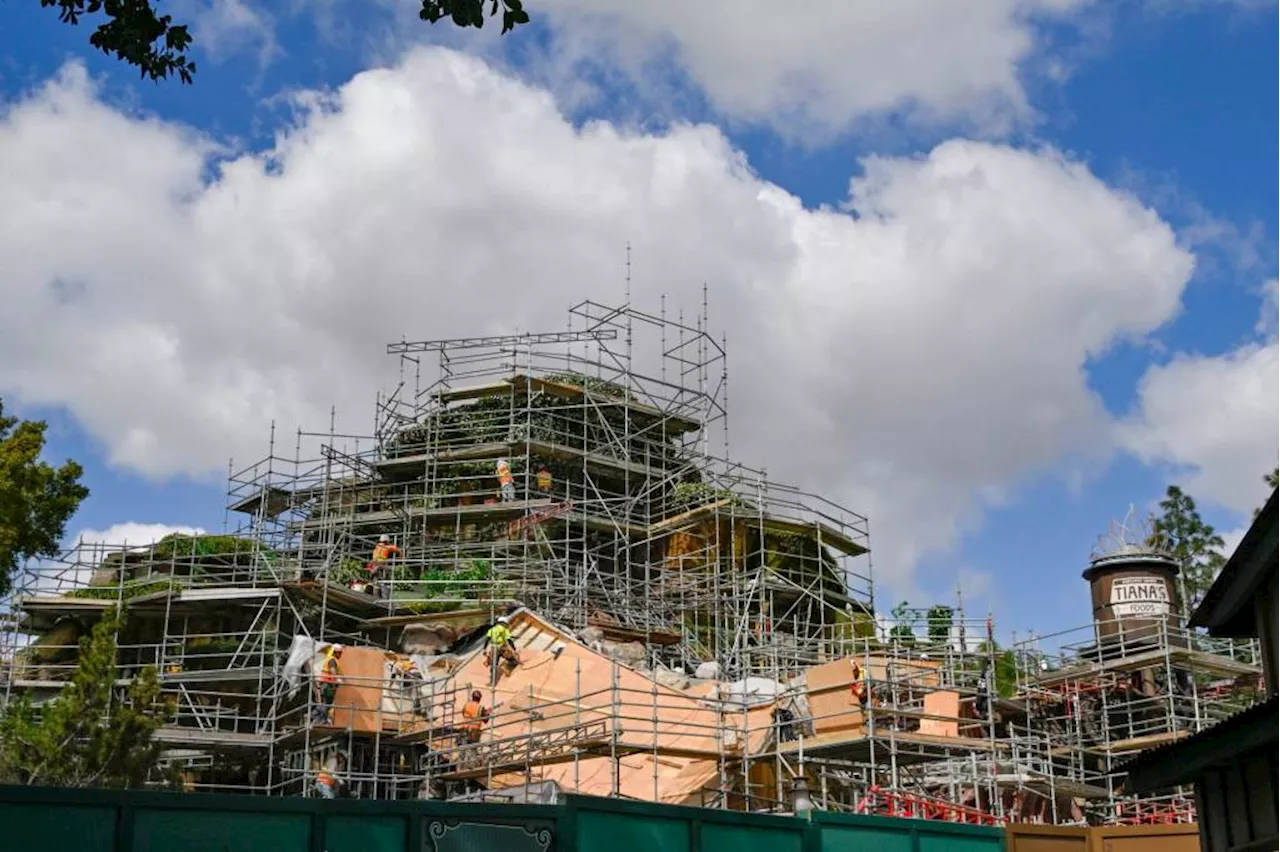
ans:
x=302 y=651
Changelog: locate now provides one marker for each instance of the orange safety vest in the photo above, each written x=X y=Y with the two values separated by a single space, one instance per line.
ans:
x=472 y=712
x=382 y=552
x=323 y=777
x=544 y=480
x=504 y=475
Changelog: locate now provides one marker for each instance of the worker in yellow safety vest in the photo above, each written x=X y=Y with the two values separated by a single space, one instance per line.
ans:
x=327 y=684
x=544 y=479
x=858 y=690
x=498 y=642
x=506 y=481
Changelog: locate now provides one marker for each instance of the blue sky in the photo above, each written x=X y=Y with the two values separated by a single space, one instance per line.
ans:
x=1171 y=104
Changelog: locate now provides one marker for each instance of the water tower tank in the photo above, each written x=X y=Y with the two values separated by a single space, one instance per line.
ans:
x=1134 y=586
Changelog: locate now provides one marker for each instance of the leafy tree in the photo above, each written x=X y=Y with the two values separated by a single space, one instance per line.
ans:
x=36 y=500
x=134 y=33
x=470 y=13
x=1005 y=665
x=939 y=621
x=88 y=736
x=1198 y=548
x=903 y=630
x=1273 y=478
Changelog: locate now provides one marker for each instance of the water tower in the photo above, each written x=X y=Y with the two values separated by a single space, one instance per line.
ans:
x=1133 y=583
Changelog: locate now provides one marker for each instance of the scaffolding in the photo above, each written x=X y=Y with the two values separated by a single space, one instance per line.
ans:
x=689 y=630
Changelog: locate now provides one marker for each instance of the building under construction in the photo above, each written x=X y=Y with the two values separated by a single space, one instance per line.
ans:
x=687 y=630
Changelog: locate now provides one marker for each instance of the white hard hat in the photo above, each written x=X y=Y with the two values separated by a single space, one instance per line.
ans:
x=502 y=619
x=384 y=538
x=338 y=649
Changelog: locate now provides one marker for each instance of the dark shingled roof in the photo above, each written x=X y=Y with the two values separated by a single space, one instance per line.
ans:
x=1179 y=762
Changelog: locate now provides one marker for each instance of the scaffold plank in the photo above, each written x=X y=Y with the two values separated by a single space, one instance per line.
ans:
x=442 y=516
x=1201 y=661
x=502 y=449
x=672 y=424
x=857 y=745
x=211 y=738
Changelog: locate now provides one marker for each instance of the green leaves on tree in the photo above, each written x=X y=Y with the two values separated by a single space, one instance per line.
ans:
x=134 y=33
x=36 y=499
x=471 y=13
x=1183 y=534
x=94 y=734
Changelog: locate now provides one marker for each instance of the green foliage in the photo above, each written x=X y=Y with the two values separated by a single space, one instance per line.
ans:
x=1194 y=543
x=1006 y=674
x=36 y=499
x=453 y=583
x=692 y=494
x=1273 y=478
x=128 y=591
x=1006 y=668
x=134 y=33
x=350 y=568
x=903 y=631
x=939 y=621
x=470 y=13
x=589 y=383
x=222 y=548
x=90 y=735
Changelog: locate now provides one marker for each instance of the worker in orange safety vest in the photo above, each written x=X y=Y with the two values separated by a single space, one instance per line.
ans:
x=382 y=552
x=327 y=778
x=474 y=716
x=506 y=481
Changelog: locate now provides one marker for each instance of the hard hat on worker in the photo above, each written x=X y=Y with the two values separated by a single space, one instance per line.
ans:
x=502 y=619
x=384 y=538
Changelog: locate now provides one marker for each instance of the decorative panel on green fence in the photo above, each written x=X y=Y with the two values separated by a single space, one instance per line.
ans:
x=169 y=829
x=366 y=834
x=57 y=828
x=600 y=831
x=745 y=838
x=443 y=834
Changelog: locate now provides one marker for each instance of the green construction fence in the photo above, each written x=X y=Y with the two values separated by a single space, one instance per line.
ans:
x=53 y=820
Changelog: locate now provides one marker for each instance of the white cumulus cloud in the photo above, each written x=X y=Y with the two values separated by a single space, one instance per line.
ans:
x=915 y=355
x=1214 y=417
x=129 y=533
x=819 y=65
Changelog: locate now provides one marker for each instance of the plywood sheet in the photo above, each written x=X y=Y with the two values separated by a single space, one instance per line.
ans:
x=942 y=703
x=565 y=684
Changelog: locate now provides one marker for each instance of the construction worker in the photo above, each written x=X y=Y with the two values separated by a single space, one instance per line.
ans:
x=544 y=479
x=506 y=481
x=499 y=646
x=329 y=776
x=474 y=715
x=858 y=688
x=327 y=684
x=982 y=702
